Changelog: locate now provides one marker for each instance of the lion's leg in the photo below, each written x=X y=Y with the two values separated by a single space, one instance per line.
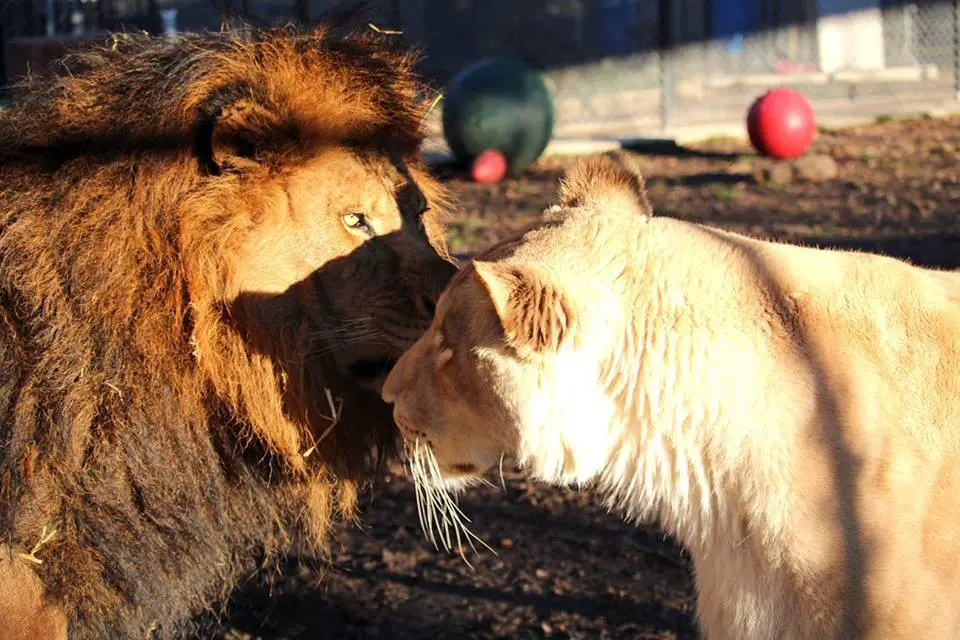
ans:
x=23 y=613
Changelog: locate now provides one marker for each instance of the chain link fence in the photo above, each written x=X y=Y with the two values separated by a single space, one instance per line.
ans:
x=636 y=66
x=881 y=60
x=616 y=67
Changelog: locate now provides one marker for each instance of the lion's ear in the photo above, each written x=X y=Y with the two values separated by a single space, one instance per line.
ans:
x=535 y=314
x=607 y=183
x=235 y=129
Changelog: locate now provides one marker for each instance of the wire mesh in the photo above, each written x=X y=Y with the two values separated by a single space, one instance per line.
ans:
x=621 y=66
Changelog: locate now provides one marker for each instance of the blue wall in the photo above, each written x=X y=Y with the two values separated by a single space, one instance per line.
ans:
x=733 y=17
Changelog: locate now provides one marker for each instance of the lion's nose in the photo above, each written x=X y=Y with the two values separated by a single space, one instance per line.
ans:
x=432 y=284
x=426 y=306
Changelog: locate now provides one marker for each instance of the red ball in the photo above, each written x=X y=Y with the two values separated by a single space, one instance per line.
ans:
x=781 y=124
x=489 y=166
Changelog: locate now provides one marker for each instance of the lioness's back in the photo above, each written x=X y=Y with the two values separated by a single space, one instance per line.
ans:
x=875 y=338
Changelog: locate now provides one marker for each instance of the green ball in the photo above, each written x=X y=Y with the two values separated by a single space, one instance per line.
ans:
x=498 y=103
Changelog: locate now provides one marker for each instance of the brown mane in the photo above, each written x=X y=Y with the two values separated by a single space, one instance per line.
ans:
x=133 y=420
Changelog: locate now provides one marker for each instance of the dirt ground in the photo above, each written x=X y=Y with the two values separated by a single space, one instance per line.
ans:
x=564 y=567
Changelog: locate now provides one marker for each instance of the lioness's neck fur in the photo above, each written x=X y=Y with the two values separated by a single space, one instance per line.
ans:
x=791 y=415
x=743 y=380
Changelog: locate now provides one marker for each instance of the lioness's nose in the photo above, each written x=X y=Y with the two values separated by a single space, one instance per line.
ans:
x=391 y=384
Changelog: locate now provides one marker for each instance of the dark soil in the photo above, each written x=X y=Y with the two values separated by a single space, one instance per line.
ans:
x=565 y=567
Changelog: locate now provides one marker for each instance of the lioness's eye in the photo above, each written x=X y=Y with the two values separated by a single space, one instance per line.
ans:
x=357 y=222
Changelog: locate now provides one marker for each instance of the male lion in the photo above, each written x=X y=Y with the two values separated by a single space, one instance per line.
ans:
x=210 y=252
x=791 y=415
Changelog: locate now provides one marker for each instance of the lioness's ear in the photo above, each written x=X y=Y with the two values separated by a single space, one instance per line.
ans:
x=534 y=313
x=610 y=184
x=234 y=127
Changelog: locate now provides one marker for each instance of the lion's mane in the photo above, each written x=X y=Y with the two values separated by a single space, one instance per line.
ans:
x=134 y=421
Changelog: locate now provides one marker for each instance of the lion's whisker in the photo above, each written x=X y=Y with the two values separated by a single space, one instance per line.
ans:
x=337 y=342
x=345 y=321
x=343 y=343
x=346 y=335
x=340 y=331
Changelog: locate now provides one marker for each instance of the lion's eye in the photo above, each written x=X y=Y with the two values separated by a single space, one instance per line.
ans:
x=357 y=222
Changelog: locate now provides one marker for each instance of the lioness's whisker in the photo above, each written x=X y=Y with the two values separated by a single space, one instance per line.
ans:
x=423 y=500
x=431 y=501
x=436 y=508
x=418 y=489
x=456 y=530
x=443 y=521
x=438 y=511
x=469 y=535
x=425 y=493
x=503 y=483
x=457 y=514
x=442 y=500
x=435 y=471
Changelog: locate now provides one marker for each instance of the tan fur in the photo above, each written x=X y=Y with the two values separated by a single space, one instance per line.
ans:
x=791 y=415
x=615 y=183
x=23 y=612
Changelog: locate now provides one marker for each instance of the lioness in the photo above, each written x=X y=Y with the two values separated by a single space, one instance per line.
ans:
x=791 y=415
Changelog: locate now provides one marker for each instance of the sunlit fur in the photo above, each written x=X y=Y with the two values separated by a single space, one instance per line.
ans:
x=791 y=415
x=180 y=304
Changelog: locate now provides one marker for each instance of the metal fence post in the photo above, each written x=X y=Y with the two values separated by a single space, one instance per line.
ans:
x=51 y=19
x=956 y=47
x=3 y=52
x=664 y=59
